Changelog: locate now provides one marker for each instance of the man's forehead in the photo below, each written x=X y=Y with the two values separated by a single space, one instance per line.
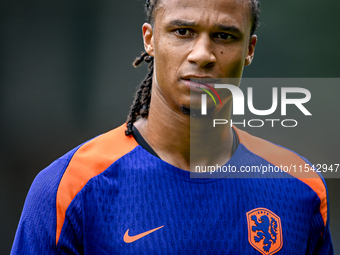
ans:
x=222 y=5
x=216 y=11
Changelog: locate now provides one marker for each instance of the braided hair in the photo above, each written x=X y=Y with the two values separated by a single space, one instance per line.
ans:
x=141 y=104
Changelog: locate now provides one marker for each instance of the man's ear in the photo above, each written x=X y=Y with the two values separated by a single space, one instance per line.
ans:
x=148 y=38
x=251 y=50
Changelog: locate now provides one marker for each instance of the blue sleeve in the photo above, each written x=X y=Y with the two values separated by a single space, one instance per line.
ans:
x=320 y=240
x=71 y=237
x=36 y=232
x=324 y=244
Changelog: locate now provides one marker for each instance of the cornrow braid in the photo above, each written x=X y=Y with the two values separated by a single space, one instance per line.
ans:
x=255 y=16
x=141 y=104
x=150 y=6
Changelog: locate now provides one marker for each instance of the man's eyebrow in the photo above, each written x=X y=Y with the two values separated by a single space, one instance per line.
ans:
x=186 y=23
x=227 y=28
x=181 y=23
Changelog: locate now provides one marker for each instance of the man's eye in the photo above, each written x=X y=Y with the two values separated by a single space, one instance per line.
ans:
x=224 y=36
x=183 y=31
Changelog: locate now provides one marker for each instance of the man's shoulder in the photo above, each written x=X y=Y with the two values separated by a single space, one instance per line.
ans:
x=271 y=152
x=95 y=154
x=289 y=162
x=104 y=149
x=67 y=175
x=91 y=159
x=74 y=169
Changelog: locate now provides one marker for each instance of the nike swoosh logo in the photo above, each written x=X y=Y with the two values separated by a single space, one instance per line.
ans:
x=130 y=239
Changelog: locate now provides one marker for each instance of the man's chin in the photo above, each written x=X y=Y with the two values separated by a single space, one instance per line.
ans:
x=196 y=112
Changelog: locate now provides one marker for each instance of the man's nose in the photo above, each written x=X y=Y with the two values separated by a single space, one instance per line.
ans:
x=202 y=53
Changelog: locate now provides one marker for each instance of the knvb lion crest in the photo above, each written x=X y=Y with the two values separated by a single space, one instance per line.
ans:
x=264 y=231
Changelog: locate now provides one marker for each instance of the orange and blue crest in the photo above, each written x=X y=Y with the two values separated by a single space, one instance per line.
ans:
x=264 y=231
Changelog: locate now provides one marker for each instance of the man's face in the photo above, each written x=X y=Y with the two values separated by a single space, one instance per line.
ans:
x=196 y=39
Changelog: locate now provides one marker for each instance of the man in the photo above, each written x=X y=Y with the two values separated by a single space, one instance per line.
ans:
x=129 y=191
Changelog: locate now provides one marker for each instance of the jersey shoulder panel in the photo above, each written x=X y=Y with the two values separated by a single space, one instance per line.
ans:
x=90 y=160
x=282 y=157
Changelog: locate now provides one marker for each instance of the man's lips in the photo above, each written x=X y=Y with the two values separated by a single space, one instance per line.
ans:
x=197 y=83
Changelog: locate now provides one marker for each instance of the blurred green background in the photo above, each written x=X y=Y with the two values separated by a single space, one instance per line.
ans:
x=66 y=76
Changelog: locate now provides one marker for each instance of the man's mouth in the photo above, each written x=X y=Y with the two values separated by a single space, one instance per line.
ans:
x=202 y=84
x=205 y=83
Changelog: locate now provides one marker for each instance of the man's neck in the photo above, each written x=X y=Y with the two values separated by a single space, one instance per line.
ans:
x=185 y=141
